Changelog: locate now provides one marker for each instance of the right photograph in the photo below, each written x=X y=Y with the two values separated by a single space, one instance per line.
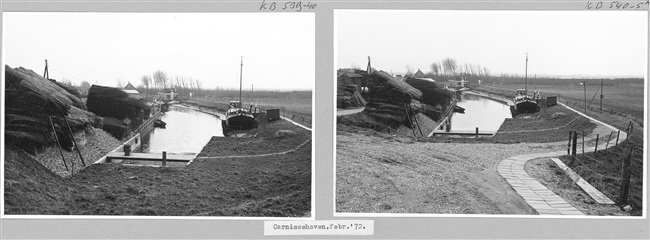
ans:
x=490 y=112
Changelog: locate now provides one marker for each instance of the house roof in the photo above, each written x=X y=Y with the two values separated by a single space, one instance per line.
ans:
x=129 y=86
x=129 y=91
x=419 y=74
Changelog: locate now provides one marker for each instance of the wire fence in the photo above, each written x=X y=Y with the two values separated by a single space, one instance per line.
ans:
x=590 y=164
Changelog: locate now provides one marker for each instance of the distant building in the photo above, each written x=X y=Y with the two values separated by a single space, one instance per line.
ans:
x=167 y=94
x=419 y=74
x=458 y=83
x=131 y=90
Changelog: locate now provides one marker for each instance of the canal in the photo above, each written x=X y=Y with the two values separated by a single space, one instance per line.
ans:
x=187 y=131
x=481 y=112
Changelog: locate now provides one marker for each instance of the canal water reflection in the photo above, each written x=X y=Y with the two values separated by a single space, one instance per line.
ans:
x=187 y=131
x=481 y=112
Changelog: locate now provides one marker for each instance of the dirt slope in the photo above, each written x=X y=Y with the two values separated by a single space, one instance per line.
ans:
x=387 y=174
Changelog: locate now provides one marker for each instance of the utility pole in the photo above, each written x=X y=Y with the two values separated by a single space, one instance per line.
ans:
x=369 y=68
x=46 y=74
x=601 y=94
x=584 y=84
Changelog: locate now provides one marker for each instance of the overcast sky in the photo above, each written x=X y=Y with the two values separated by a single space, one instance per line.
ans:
x=278 y=48
x=559 y=43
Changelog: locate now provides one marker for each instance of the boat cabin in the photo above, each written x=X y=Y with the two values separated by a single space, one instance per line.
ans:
x=521 y=92
x=235 y=104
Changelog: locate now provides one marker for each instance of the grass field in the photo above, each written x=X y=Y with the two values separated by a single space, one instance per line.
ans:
x=291 y=102
x=624 y=99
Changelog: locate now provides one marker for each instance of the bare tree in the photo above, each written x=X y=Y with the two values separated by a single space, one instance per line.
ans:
x=198 y=86
x=435 y=68
x=84 y=87
x=120 y=83
x=486 y=72
x=146 y=82
x=160 y=78
x=409 y=70
x=450 y=66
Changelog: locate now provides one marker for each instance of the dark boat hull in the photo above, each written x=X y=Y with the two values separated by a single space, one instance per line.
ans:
x=241 y=121
x=527 y=106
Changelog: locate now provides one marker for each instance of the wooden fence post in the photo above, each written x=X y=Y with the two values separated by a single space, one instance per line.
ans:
x=583 y=142
x=608 y=139
x=629 y=128
x=164 y=158
x=568 y=146
x=575 y=146
x=596 y=147
x=127 y=150
x=476 y=132
x=625 y=182
x=618 y=133
x=447 y=125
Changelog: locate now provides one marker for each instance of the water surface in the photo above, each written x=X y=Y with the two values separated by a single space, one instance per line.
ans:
x=481 y=112
x=187 y=131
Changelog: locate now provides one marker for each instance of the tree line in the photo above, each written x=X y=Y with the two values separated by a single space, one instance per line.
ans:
x=184 y=86
x=150 y=85
x=450 y=68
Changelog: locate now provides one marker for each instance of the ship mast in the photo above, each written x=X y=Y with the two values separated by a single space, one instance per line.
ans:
x=526 y=76
x=241 y=67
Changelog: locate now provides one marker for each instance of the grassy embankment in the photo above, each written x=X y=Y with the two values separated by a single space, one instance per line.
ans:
x=622 y=103
x=298 y=103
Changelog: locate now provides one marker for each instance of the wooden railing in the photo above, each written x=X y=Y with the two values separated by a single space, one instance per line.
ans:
x=148 y=123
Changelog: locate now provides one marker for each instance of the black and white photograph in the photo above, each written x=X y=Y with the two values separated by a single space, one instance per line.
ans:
x=158 y=114
x=487 y=112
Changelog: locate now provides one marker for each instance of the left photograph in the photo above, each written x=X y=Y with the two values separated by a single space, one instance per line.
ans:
x=157 y=114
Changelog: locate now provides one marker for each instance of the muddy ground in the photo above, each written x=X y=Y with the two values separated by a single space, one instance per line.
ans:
x=278 y=186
